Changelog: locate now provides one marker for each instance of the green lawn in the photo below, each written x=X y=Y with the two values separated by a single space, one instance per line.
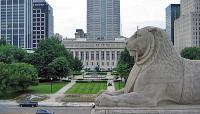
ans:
x=45 y=88
x=119 y=85
x=87 y=88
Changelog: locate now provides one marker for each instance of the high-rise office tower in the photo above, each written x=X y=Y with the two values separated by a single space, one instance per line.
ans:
x=187 y=27
x=103 y=19
x=43 y=21
x=16 y=22
x=172 y=13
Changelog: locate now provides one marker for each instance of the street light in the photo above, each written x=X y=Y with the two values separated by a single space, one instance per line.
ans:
x=51 y=84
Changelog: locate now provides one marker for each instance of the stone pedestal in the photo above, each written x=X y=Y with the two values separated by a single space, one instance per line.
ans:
x=172 y=109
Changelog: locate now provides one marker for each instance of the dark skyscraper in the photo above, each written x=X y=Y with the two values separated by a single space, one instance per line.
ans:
x=16 y=22
x=103 y=19
x=43 y=21
x=172 y=13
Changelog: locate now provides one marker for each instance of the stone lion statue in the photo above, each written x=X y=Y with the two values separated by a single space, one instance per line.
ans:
x=159 y=76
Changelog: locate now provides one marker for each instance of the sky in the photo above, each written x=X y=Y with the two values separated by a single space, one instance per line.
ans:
x=70 y=15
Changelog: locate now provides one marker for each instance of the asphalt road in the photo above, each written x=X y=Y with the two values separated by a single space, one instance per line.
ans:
x=56 y=110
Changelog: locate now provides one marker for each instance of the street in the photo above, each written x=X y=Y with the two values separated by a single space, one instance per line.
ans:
x=57 y=110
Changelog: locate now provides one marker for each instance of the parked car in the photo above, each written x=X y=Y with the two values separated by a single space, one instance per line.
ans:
x=28 y=103
x=42 y=111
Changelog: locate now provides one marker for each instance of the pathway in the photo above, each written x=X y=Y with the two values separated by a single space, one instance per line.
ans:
x=53 y=100
x=112 y=87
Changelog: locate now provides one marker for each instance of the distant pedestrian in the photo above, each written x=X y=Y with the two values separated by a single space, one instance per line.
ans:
x=93 y=105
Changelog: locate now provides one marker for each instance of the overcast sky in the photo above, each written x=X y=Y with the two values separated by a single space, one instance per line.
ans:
x=71 y=14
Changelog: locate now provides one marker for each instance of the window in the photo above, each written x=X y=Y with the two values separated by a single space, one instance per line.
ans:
x=82 y=55
x=77 y=54
x=107 y=55
x=92 y=55
x=118 y=55
x=102 y=55
x=97 y=55
x=87 y=55
x=113 y=55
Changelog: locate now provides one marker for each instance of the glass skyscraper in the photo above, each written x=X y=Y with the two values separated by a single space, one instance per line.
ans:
x=172 y=13
x=16 y=22
x=43 y=21
x=103 y=19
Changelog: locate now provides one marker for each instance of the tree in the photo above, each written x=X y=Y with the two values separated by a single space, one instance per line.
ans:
x=22 y=76
x=192 y=53
x=10 y=54
x=2 y=41
x=48 y=50
x=17 y=76
x=125 y=64
x=77 y=64
x=4 y=76
x=59 y=68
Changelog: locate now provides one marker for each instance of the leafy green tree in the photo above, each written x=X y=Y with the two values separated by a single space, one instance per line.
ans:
x=17 y=76
x=59 y=68
x=22 y=76
x=10 y=54
x=125 y=64
x=77 y=64
x=2 y=41
x=192 y=53
x=48 y=50
x=4 y=76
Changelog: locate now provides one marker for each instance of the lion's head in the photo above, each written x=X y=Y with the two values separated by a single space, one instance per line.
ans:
x=148 y=42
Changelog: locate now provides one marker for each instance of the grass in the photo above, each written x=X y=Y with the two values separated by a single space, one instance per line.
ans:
x=87 y=88
x=119 y=85
x=45 y=88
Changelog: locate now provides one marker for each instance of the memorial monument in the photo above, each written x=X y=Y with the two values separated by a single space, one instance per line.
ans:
x=160 y=77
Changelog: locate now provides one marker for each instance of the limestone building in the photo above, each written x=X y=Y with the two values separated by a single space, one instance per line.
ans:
x=102 y=54
x=187 y=27
x=102 y=44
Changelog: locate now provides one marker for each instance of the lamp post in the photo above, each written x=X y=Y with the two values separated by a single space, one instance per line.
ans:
x=51 y=84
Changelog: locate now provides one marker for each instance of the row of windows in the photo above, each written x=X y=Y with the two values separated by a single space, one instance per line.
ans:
x=38 y=19
x=97 y=64
x=38 y=36
x=104 y=55
x=38 y=24
x=3 y=2
x=36 y=11
x=38 y=15
x=38 y=32
x=12 y=31
x=38 y=28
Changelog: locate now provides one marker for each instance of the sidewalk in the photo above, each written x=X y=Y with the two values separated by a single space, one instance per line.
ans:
x=8 y=102
x=112 y=87
x=53 y=100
